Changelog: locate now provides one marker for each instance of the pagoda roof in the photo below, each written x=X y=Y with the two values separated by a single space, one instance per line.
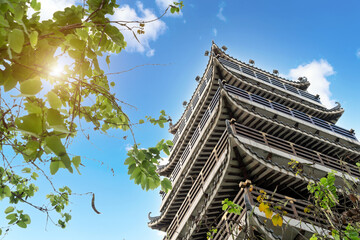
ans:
x=167 y=209
x=303 y=85
x=346 y=144
x=331 y=115
x=272 y=169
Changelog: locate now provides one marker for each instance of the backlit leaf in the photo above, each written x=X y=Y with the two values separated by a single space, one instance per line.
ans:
x=30 y=124
x=16 y=40
x=30 y=87
x=34 y=38
x=53 y=100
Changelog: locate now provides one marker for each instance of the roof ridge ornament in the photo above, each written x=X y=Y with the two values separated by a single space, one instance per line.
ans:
x=337 y=107
x=302 y=79
x=152 y=218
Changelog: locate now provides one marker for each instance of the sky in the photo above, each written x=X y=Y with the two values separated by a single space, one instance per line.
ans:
x=316 y=39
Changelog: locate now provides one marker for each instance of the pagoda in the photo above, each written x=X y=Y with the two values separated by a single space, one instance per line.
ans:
x=240 y=129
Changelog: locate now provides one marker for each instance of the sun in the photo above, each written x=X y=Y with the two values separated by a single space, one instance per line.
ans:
x=57 y=70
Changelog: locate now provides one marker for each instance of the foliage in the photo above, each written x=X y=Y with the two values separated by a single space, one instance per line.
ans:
x=326 y=197
x=272 y=209
x=324 y=192
x=210 y=234
x=41 y=112
x=231 y=207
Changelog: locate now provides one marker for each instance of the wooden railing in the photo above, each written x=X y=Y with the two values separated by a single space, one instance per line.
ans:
x=192 y=105
x=297 y=150
x=198 y=184
x=295 y=209
x=292 y=112
x=267 y=79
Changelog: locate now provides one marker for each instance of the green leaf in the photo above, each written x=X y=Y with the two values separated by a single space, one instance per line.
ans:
x=141 y=121
x=32 y=107
x=108 y=61
x=224 y=207
x=54 y=166
x=166 y=185
x=33 y=38
x=34 y=175
x=27 y=219
x=166 y=150
x=170 y=143
x=21 y=224
x=112 y=84
x=16 y=40
x=54 y=144
x=78 y=44
x=26 y=170
x=115 y=35
x=9 y=209
x=7 y=191
x=35 y=5
x=19 y=12
x=30 y=124
x=129 y=161
x=30 y=87
x=9 y=83
x=3 y=22
x=11 y=216
x=56 y=120
x=76 y=162
x=53 y=100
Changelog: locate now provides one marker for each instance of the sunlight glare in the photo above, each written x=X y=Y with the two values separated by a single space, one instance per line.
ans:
x=57 y=70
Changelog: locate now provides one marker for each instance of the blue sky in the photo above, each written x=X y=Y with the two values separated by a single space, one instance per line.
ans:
x=318 y=39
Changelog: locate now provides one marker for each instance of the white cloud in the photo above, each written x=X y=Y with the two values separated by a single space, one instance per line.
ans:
x=215 y=32
x=152 y=30
x=164 y=4
x=358 y=53
x=150 y=53
x=316 y=73
x=48 y=7
x=220 y=14
x=161 y=234
x=128 y=147
x=164 y=161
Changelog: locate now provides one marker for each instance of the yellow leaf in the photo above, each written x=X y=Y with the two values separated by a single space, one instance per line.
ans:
x=259 y=198
x=277 y=220
x=268 y=212
x=263 y=207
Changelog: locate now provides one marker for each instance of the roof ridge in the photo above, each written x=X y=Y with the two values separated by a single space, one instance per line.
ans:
x=302 y=83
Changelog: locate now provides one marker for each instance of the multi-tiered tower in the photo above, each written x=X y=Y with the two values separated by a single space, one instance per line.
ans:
x=244 y=124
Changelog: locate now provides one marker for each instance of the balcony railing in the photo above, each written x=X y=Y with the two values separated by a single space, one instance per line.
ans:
x=198 y=184
x=194 y=138
x=294 y=208
x=297 y=150
x=267 y=79
x=192 y=105
x=255 y=98
x=292 y=112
